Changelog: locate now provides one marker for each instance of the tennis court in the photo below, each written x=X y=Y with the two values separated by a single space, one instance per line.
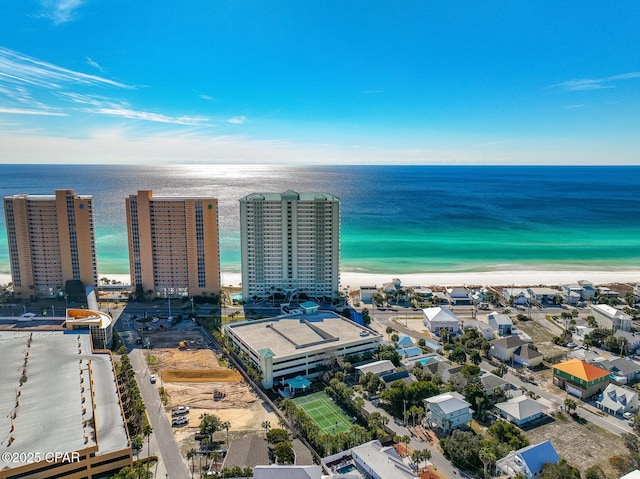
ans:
x=329 y=417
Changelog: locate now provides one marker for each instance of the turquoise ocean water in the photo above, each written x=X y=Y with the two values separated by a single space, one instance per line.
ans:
x=395 y=219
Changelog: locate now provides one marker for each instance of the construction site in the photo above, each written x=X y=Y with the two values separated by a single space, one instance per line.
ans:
x=192 y=375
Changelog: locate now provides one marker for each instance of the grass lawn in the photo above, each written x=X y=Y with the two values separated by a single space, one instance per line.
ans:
x=329 y=417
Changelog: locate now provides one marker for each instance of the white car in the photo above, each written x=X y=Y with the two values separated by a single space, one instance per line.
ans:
x=628 y=415
x=155 y=320
x=179 y=421
x=180 y=410
x=153 y=378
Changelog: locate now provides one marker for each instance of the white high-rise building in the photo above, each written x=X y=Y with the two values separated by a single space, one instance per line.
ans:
x=290 y=242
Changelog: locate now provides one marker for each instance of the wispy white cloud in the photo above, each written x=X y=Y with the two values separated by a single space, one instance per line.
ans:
x=149 y=116
x=237 y=120
x=570 y=107
x=16 y=69
x=59 y=11
x=585 y=84
x=22 y=111
x=91 y=62
x=206 y=97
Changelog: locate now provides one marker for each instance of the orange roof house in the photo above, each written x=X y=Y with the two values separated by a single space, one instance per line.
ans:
x=579 y=378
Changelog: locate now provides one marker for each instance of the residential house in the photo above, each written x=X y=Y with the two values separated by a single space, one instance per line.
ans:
x=609 y=317
x=448 y=411
x=422 y=292
x=543 y=295
x=624 y=370
x=521 y=410
x=528 y=461
x=515 y=350
x=367 y=293
x=608 y=292
x=588 y=290
x=248 y=451
x=516 y=296
x=372 y=460
x=404 y=341
x=483 y=328
x=282 y=471
x=439 y=318
x=459 y=296
x=443 y=369
x=580 y=379
x=491 y=382
x=632 y=339
x=617 y=400
x=379 y=368
x=409 y=352
x=501 y=324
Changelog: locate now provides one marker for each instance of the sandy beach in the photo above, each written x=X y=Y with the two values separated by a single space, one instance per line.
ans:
x=485 y=278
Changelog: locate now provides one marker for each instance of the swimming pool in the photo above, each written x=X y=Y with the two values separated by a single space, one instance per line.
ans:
x=346 y=469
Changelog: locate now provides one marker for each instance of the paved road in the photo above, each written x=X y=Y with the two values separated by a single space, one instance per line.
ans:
x=171 y=463
x=443 y=465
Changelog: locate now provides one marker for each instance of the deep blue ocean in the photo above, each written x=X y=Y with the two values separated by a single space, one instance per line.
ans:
x=395 y=219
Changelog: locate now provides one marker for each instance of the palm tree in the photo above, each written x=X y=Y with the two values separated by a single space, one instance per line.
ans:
x=226 y=425
x=191 y=454
x=570 y=405
x=216 y=457
x=488 y=458
x=266 y=425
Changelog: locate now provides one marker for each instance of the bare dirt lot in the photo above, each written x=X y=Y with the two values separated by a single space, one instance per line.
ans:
x=582 y=445
x=191 y=377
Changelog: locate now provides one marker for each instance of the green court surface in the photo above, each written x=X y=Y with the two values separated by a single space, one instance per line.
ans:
x=324 y=412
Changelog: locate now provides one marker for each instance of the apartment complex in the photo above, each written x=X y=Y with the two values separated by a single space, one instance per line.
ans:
x=290 y=242
x=51 y=241
x=173 y=245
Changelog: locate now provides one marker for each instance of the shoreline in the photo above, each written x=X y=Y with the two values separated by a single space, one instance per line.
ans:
x=354 y=280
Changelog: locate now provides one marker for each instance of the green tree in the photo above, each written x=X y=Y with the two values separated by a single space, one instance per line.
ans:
x=209 y=425
x=457 y=355
x=594 y=472
x=570 y=405
x=561 y=470
x=475 y=357
x=274 y=436
x=284 y=452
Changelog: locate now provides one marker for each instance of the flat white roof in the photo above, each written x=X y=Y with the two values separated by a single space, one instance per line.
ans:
x=46 y=410
x=301 y=333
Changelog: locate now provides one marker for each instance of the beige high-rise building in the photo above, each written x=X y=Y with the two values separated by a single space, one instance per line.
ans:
x=290 y=242
x=173 y=245
x=51 y=241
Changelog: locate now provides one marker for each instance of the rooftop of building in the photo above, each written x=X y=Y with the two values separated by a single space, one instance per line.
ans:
x=290 y=195
x=49 y=401
x=300 y=333
x=581 y=370
x=521 y=407
x=439 y=314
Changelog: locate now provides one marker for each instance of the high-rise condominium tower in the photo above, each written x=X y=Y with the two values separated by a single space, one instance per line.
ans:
x=173 y=245
x=51 y=241
x=290 y=241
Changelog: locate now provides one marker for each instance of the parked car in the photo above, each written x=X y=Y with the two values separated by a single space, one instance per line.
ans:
x=179 y=421
x=180 y=411
x=153 y=378
x=628 y=415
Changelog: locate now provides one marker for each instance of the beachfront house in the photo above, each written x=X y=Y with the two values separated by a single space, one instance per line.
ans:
x=448 y=411
x=459 y=296
x=580 y=379
x=367 y=293
x=439 y=318
x=501 y=324
x=543 y=295
x=618 y=400
x=521 y=410
x=528 y=461
x=609 y=317
x=516 y=296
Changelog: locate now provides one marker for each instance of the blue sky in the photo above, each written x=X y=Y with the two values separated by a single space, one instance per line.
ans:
x=244 y=81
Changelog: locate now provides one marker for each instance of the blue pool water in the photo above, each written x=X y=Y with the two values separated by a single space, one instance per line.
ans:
x=346 y=469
